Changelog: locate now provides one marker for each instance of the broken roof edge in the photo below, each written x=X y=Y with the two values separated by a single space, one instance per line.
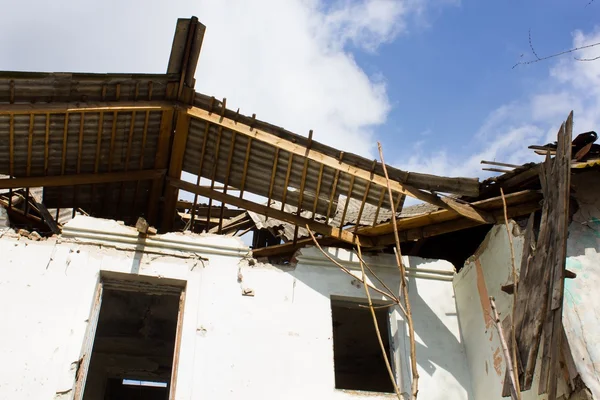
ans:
x=455 y=185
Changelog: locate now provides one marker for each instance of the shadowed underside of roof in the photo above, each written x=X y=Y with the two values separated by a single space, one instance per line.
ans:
x=116 y=145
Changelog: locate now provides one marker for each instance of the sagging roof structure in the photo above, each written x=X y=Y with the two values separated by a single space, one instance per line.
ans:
x=116 y=145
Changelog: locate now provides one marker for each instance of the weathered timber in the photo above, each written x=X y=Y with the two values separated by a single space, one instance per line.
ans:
x=264 y=210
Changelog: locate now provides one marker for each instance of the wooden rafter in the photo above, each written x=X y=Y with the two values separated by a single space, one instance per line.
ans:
x=292 y=218
x=176 y=164
x=342 y=167
x=82 y=107
x=81 y=179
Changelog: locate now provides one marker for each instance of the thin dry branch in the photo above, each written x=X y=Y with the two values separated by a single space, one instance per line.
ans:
x=538 y=59
x=515 y=368
x=379 y=339
x=409 y=320
x=381 y=282
x=509 y=363
x=388 y=295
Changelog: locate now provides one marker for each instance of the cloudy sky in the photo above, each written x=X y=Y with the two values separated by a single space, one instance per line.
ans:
x=433 y=80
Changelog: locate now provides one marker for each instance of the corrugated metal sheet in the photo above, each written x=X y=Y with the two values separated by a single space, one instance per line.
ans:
x=48 y=144
x=260 y=167
x=369 y=212
x=462 y=186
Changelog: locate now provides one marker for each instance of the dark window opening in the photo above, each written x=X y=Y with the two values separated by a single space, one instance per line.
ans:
x=134 y=344
x=359 y=363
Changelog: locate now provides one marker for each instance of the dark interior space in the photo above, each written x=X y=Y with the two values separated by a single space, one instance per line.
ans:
x=135 y=339
x=455 y=247
x=359 y=364
x=116 y=389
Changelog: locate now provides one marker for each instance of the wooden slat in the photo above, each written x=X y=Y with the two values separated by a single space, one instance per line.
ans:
x=379 y=204
x=127 y=157
x=226 y=183
x=433 y=229
x=161 y=160
x=214 y=171
x=446 y=215
x=319 y=180
x=272 y=182
x=62 y=108
x=561 y=181
x=79 y=156
x=81 y=179
x=11 y=154
x=199 y=174
x=245 y=171
x=263 y=210
x=287 y=180
x=331 y=162
x=175 y=167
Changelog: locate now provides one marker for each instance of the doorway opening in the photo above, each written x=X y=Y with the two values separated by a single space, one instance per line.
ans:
x=132 y=342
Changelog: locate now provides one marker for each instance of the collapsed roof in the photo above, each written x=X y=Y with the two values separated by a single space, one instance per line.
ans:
x=120 y=146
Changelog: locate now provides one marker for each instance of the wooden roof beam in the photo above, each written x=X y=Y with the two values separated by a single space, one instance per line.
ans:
x=431 y=218
x=62 y=108
x=295 y=149
x=323 y=229
x=81 y=179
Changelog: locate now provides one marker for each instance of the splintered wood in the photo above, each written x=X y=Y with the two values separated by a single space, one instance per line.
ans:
x=539 y=300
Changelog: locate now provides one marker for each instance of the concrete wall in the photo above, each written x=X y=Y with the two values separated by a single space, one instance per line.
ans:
x=581 y=315
x=274 y=345
x=481 y=277
x=490 y=268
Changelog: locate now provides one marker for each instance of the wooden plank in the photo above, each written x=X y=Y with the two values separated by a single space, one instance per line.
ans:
x=226 y=183
x=37 y=202
x=199 y=174
x=331 y=162
x=446 y=215
x=263 y=210
x=81 y=179
x=318 y=191
x=62 y=108
x=161 y=161
x=287 y=180
x=175 y=167
x=562 y=183
x=245 y=171
x=435 y=229
x=151 y=206
x=379 y=204
x=273 y=175
x=127 y=158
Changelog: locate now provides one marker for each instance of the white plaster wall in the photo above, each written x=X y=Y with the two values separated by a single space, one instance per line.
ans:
x=581 y=314
x=275 y=345
x=482 y=276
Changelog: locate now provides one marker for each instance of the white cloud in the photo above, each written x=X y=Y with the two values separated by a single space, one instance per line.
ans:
x=507 y=131
x=287 y=61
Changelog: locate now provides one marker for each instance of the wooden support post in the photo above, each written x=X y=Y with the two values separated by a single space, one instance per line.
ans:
x=199 y=175
x=364 y=199
x=79 y=155
x=287 y=180
x=245 y=171
x=81 y=179
x=161 y=161
x=333 y=188
x=175 y=167
x=226 y=183
x=127 y=159
x=316 y=203
x=214 y=174
x=272 y=183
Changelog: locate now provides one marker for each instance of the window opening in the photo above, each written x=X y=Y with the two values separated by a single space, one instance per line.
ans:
x=358 y=361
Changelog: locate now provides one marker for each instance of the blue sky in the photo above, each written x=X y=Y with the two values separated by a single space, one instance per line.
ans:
x=431 y=79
